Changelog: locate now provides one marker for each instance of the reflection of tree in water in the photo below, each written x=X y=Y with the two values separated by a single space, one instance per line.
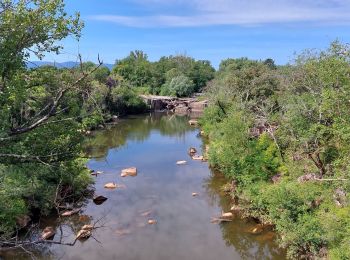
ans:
x=236 y=233
x=136 y=128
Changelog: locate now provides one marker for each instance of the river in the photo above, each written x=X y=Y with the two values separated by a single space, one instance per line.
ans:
x=162 y=191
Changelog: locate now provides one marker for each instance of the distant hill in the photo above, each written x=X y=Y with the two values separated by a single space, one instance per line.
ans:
x=67 y=64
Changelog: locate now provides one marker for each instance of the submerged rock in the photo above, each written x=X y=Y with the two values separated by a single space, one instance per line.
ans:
x=123 y=232
x=98 y=200
x=258 y=229
x=129 y=172
x=48 y=233
x=216 y=220
x=84 y=218
x=152 y=221
x=146 y=213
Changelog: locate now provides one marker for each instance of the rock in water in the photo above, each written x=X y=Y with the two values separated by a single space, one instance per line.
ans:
x=129 y=172
x=123 y=232
x=198 y=158
x=227 y=215
x=181 y=162
x=87 y=227
x=152 y=221
x=192 y=151
x=110 y=185
x=98 y=200
x=235 y=208
x=193 y=122
x=85 y=232
x=48 y=233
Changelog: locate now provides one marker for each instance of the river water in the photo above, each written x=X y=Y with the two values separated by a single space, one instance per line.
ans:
x=162 y=191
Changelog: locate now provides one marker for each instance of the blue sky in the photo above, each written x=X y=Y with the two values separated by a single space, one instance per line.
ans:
x=206 y=29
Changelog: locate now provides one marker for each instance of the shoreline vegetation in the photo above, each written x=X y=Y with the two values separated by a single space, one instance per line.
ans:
x=280 y=133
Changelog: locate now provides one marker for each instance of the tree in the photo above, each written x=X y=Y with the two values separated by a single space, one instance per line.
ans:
x=40 y=111
x=135 y=68
x=180 y=86
x=32 y=27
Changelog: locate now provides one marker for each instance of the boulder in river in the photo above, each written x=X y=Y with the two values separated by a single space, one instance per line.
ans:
x=98 y=200
x=85 y=232
x=235 y=208
x=129 y=172
x=110 y=185
x=198 y=158
x=48 y=233
x=193 y=122
x=192 y=151
x=152 y=221
x=227 y=215
x=123 y=232
x=181 y=162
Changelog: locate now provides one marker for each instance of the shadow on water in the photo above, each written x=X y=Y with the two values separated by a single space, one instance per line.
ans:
x=161 y=191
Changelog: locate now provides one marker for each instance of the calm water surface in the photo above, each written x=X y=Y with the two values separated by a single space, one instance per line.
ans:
x=153 y=144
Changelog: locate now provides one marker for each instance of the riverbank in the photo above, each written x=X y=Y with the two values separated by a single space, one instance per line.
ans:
x=275 y=133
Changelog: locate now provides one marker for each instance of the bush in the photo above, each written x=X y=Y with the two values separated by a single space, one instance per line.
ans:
x=179 y=86
x=126 y=101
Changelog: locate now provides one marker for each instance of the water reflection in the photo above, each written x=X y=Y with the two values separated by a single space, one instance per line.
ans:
x=237 y=234
x=136 y=128
x=161 y=191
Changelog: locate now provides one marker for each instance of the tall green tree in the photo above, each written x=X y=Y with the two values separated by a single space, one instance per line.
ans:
x=40 y=111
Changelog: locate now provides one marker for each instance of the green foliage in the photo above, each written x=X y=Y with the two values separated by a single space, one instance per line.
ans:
x=267 y=122
x=41 y=112
x=39 y=25
x=125 y=100
x=155 y=77
x=135 y=68
x=179 y=86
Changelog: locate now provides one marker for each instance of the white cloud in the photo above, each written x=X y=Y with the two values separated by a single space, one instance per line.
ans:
x=236 y=12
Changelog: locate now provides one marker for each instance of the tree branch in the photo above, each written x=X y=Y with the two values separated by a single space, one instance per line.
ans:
x=52 y=112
